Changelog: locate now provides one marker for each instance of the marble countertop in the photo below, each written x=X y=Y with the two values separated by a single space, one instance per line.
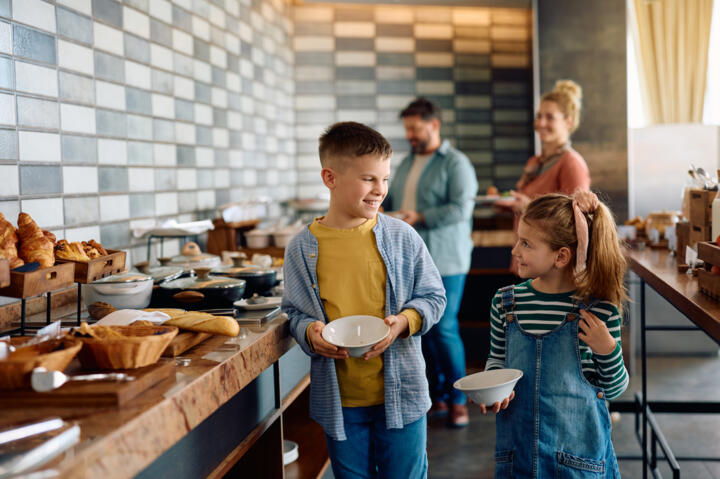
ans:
x=121 y=442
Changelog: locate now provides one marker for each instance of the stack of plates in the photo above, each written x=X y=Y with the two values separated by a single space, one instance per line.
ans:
x=290 y=452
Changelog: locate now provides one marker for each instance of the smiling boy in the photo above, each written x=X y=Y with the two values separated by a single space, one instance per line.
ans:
x=354 y=261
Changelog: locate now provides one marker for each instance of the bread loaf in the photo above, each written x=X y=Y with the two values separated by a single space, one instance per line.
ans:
x=205 y=323
x=34 y=245
x=8 y=243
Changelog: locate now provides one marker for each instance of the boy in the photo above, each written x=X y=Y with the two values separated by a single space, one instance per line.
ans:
x=354 y=261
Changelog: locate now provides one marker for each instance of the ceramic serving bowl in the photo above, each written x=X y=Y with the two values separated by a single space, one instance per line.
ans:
x=489 y=387
x=358 y=334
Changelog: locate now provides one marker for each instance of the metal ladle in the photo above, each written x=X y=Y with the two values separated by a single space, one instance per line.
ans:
x=43 y=380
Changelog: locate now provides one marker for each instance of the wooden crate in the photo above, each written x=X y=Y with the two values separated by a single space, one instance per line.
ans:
x=4 y=272
x=699 y=234
x=709 y=284
x=682 y=231
x=226 y=236
x=709 y=253
x=96 y=268
x=34 y=283
x=701 y=207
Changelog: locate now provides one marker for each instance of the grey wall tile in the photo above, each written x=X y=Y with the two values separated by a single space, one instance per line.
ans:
x=203 y=135
x=223 y=196
x=184 y=110
x=72 y=25
x=112 y=179
x=513 y=130
x=313 y=28
x=218 y=77
x=33 y=112
x=476 y=60
x=181 y=18
x=40 y=180
x=354 y=14
x=393 y=30
x=443 y=101
x=219 y=118
x=79 y=149
x=162 y=82
x=473 y=115
x=83 y=210
x=233 y=63
x=33 y=44
x=139 y=127
x=139 y=4
x=142 y=205
x=109 y=67
x=110 y=123
x=108 y=11
x=8 y=145
x=356 y=102
x=222 y=158
x=7 y=73
x=185 y=156
x=139 y=153
x=5 y=8
x=160 y=33
x=511 y=101
x=163 y=130
x=365 y=44
x=115 y=235
x=203 y=92
x=137 y=48
x=187 y=201
x=433 y=73
x=138 y=101
x=318 y=87
x=165 y=179
x=314 y=58
x=474 y=143
x=427 y=45
x=396 y=87
x=205 y=178
x=201 y=49
x=472 y=88
x=76 y=88
x=355 y=73
x=395 y=59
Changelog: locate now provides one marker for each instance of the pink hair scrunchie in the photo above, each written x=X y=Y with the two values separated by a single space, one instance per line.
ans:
x=584 y=201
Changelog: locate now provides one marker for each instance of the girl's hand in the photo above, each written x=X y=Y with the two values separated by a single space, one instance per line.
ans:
x=498 y=405
x=595 y=334
x=322 y=347
x=398 y=326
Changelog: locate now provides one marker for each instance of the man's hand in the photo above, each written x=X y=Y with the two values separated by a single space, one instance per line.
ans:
x=398 y=327
x=322 y=347
x=411 y=217
x=498 y=405
x=595 y=334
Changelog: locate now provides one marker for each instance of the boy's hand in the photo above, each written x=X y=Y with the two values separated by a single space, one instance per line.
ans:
x=322 y=347
x=398 y=326
x=595 y=334
x=498 y=405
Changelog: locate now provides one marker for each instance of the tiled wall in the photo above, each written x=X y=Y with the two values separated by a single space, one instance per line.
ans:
x=365 y=63
x=119 y=114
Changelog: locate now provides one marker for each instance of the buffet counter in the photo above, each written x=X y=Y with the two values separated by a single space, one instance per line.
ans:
x=135 y=439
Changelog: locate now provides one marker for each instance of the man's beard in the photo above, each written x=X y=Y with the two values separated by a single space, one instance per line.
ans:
x=419 y=148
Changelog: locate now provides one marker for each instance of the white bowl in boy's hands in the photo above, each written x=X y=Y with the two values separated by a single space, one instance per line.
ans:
x=357 y=334
x=489 y=387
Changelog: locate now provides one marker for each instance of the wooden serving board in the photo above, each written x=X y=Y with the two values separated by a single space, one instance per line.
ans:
x=92 y=394
x=96 y=268
x=33 y=283
x=4 y=272
x=184 y=341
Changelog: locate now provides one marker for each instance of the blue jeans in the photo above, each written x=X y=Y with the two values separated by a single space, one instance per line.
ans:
x=443 y=348
x=373 y=451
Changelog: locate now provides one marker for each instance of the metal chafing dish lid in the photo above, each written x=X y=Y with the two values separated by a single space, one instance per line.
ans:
x=127 y=277
x=203 y=281
x=241 y=271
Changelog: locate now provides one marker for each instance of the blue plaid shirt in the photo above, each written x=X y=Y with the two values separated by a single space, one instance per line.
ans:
x=413 y=281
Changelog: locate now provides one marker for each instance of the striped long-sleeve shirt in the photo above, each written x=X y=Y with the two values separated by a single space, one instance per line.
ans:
x=539 y=313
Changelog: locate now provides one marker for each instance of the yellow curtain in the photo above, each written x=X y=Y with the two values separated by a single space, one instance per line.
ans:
x=672 y=37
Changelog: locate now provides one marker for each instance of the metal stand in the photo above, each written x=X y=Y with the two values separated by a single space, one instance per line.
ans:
x=79 y=302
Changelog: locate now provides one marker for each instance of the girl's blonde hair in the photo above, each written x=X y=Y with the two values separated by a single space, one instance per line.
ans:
x=605 y=269
x=568 y=96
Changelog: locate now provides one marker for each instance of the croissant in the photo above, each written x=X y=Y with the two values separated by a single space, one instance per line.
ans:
x=98 y=247
x=72 y=251
x=49 y=236
x=34 y=245
x=8 y=243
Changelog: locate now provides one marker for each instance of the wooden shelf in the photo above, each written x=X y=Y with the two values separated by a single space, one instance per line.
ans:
x=298 y=427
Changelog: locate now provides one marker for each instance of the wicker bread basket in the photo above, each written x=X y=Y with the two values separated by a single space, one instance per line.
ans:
x=54 y=355
x=141 y=346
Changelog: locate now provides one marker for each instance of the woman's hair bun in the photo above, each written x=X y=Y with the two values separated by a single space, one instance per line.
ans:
x=570 y=88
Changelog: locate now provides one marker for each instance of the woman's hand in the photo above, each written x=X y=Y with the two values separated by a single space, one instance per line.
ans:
x=517 y=203
x=398 y=326
x=498 y=405
x=595 y=334
x=322 y=347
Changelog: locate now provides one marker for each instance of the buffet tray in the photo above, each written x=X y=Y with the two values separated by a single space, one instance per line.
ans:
x=184 y=341
x=97 y=268
x=33 y=283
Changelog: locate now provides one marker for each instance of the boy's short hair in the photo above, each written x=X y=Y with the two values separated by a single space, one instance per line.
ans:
x=423 y=108
x=347 y=140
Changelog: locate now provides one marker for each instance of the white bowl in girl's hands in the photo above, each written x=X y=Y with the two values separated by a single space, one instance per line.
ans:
x=357 y=334
x=489 y=387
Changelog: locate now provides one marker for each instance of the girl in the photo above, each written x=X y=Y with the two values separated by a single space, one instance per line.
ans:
x=562 y=329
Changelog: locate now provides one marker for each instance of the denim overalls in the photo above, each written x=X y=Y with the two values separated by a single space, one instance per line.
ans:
x=558 y=425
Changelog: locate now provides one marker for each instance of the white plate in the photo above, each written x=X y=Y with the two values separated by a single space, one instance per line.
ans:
x=272 y=302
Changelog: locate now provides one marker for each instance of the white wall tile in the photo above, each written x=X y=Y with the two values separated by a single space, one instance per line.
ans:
x=112 y=152
x=36 y=146
x=83 y=6
x=5 y=38
x=204 y=157
x=233 y=82
x=10 y=180
x=393 y=102
x=167 y=204
x=358 y=59
x=136 y=22
x=36 y=13
x=80 y=179
x=200 y=28
x=221 y=138
x=138 y=75
x=109 y=95
x=186 y=178
x=161 y=57
x=185 y=133
x=164 y=154
x=232 y=43
x=141 y=179
x=36 y=79
x=471 y=46
x=203 y=114
x=202 y=71
x=83 y=234
x=114 y=208
x=250 y=177
x=217 y=16
x=424 y=30
x=218 y=57
x=108 y=38
x=471 y=16
x=75 y=57
x=186 y=4
x=78 y=119
x=182 y=42
x=355 y=29
x=434 y=59
x=394 y=44
x=313 y=44
x=163 y=106
x=47 y=212
x=222 y=178
x=161 y=9
x=10 y=209
x=313 y=14
x=184 y=88
x=394 y=15
x=315 y=102
x=433 y=15
x=206 y=199
x=7 y=109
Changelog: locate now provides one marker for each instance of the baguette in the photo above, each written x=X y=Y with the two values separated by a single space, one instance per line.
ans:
x=205 y=323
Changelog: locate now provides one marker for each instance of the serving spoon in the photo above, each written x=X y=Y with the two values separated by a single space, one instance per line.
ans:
x=43 y=380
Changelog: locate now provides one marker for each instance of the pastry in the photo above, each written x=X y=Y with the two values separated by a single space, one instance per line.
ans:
x=49 y=236
x=8 y=243
x=90 y=251
x=98 y=247
x=70 y=251
x=34 y=245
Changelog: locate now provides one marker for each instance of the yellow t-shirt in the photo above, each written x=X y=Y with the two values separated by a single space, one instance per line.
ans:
x=351 y=280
